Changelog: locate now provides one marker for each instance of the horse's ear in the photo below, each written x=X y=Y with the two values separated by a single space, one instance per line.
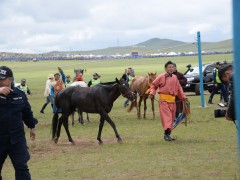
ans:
x=148 y=73
x=155 y=73
x=117 y=80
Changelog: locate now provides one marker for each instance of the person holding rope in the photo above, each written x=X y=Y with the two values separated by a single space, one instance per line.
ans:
x=168 y=88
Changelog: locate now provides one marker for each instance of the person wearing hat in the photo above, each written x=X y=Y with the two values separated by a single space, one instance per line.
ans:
x=49 y=82
x=24 y=87
x=68 y=81
x=218 y=85
x=95 y=80
x=14 y=109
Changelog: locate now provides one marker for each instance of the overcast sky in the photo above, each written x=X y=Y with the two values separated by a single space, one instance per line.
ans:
x=37 y=26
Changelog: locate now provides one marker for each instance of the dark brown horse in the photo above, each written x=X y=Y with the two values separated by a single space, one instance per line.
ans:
x=97 y=99
x=141 y=85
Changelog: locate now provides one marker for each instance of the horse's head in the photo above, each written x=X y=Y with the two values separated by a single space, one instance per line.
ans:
x=125 y=90
x=151 y=77
x=78 y=71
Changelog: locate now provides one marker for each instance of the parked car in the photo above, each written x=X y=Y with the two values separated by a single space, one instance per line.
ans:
x=193 y=80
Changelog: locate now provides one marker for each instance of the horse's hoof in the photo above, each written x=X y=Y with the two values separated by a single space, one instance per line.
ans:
x=100 y=142
x=120 y=141
x=73 y=143
x=55 y=140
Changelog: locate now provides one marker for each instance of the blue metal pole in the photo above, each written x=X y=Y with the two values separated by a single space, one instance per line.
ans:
x=200 y=68
x=236 y=50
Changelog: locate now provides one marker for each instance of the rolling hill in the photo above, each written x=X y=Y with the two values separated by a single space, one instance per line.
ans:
x=157 y=45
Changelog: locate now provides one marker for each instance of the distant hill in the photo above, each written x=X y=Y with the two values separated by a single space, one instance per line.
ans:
x=157 y=45
x=151 y=46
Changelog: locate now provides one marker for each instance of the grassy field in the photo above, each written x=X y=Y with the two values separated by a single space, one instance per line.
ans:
x=205 y=149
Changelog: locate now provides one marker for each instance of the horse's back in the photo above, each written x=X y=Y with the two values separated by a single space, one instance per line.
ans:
x=139 y=84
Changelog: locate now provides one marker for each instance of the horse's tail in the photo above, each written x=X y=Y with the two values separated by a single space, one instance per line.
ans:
x=54 y=125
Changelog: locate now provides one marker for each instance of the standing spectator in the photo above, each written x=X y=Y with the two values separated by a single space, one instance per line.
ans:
x=168 y=88
x=95 y=80
x=128 y=76
x=58 y=85
x=183 y=81
x=14 y=109
x=68 y=81
x=79 y=82
x=23 y=86
x=218 y=85
x=47 y=91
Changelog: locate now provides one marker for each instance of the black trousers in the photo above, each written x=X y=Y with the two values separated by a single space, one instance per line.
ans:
x=19 y=156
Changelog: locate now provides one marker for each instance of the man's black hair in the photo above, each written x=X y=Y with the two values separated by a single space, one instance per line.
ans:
x=222 y=71
x=169 y=62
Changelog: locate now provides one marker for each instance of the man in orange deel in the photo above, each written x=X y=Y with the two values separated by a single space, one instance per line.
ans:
x=168 y=88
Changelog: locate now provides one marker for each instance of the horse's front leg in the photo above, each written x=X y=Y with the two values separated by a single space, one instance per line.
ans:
x=73 y=123
x=139 y=107
x=100 y=130
x=145 y=106
x=109 y=120
x=153 y=110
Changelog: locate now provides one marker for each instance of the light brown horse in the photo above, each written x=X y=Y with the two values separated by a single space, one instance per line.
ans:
x=141 y=85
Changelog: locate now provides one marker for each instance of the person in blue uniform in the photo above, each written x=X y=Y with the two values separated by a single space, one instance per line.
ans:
x=14 y=109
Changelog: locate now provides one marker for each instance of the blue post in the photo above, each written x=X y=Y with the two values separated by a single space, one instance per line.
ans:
x=236 y=50
x=200 y=68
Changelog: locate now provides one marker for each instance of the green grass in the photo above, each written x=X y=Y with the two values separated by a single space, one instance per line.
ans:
x=205 y=149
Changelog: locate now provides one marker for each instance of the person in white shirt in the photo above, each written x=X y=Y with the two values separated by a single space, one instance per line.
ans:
x=79 y=82
x=49 y=82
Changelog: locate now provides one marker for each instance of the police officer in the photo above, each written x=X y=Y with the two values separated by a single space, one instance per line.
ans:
x=24 y=87
x=218 y=85
x=14 y=109
x=95 y=80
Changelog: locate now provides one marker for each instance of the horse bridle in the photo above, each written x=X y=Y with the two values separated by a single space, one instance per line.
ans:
x=126 y=94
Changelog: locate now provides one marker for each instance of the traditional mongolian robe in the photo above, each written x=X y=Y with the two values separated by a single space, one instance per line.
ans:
x=168 y=88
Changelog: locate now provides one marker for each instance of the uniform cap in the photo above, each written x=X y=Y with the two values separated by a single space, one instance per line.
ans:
x=96 y=74
x=5 y=72
x=23 y=80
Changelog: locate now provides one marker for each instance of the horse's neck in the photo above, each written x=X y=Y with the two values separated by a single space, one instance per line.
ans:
x=147 y=82
x=114 y=92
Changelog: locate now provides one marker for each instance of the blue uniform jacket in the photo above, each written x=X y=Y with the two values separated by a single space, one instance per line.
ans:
x=14 y=110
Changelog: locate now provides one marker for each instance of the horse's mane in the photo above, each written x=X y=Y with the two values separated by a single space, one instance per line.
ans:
x=107 y=83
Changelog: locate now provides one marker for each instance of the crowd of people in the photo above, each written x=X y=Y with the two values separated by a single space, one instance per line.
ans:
x=59 y=81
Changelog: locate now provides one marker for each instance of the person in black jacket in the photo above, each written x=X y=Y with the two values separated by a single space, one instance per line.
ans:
x=226 y=76
x=14 y=109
